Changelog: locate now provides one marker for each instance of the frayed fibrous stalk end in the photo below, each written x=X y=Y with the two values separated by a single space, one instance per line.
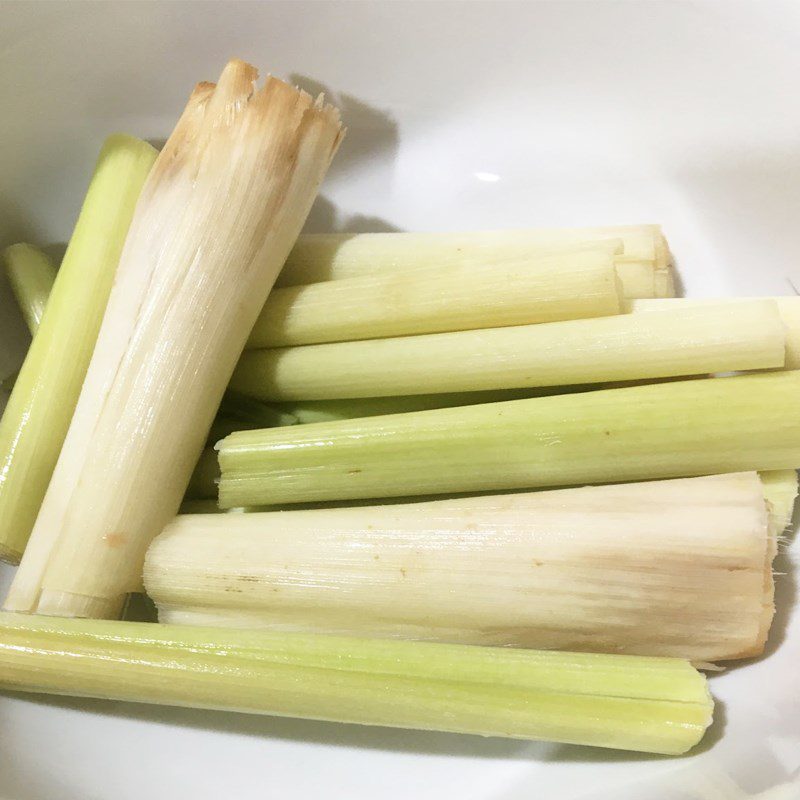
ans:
x=677 y=568
x=780 y=492
x=220 y=211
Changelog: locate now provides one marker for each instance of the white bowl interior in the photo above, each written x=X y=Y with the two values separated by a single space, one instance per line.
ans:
x=461 y=115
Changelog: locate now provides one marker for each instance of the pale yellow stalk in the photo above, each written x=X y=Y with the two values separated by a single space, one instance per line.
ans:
x=643 y=264
x=432 y=299
x=788 y=307
x=684 y=341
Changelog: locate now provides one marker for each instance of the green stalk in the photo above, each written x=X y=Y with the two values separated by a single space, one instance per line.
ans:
x=674 y=429
x=31 y=275
x=684 y=341
x=653 y=705
x=42 y=402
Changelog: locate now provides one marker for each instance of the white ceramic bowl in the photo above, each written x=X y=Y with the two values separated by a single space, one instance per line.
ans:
x=461 y=115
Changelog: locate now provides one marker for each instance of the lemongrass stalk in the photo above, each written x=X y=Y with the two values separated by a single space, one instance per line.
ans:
x=46 y=391
x=31 y=275
x=631 y=703
x=675 y=429
x=309 y=411
x=204 y=479
x=324 y=257
x=433 y=299
x=788 y=307
x=684 y=341
x=234 y=182
x=668 y=568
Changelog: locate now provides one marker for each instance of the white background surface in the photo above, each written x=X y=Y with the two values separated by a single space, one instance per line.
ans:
x=461 y=115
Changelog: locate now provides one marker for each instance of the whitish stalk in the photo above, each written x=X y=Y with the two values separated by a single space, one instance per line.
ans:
x=643 y=259
x=31 y=275
x=788 y=307
x=668 y=568
x=683 y=341
x=46 y=391
x=674 y=429
x=657 y=705
x=218 y=215
x=432 y=299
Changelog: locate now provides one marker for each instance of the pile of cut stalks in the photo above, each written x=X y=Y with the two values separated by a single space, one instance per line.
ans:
x=499 y=483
